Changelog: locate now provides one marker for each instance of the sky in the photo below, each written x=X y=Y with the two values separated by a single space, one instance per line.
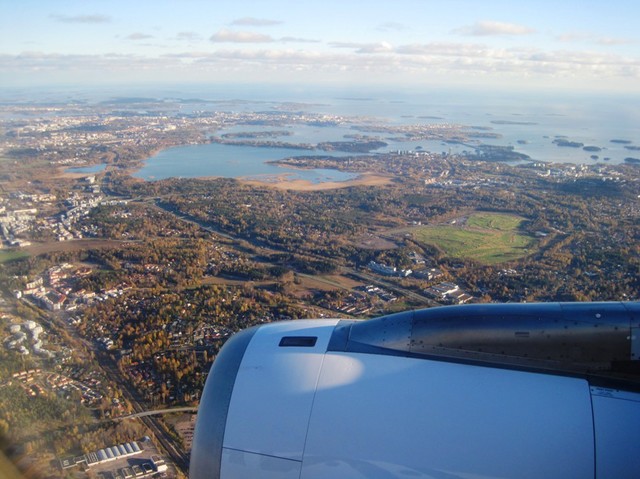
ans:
x=587 y=45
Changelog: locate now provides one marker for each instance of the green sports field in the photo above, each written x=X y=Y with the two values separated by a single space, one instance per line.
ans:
x=488 y=238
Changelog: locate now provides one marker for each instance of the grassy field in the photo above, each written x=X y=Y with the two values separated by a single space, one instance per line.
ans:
x=493 y=221
x=6 y=256
x=488 y=238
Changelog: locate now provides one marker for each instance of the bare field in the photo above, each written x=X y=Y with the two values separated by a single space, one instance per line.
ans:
x=374 y=242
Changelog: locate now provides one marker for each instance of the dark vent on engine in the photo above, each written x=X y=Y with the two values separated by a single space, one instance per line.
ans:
x=298 y=341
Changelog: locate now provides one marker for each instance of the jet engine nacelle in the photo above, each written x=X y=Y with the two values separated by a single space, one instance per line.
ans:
x=478 y=391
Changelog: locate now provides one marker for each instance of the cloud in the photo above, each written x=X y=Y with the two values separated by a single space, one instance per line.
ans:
x=573 y=37
x=188 y=36
x=255 y=22
x=391 y=27
x=488 y=28
x=52 y=62
x=449 y=59
x=297 y=40
x=96 y=18
x=465 y=62
x=445 y=49
x=607 y=41
x=380 y=47
x=229 y=36
x=138 y=36
x=592 y=38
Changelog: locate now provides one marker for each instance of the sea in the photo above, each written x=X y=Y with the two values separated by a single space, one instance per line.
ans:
x=531 y=123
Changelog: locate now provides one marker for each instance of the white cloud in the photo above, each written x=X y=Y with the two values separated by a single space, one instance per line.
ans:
x=188 y=36
x=230 y=36
x=448 y=49
x=592 y=38
x=608 y=41
x=573 y=37
x=391 y=27
x=416 y=62
x=380 y=47
x=446 y=58
x=297 y=40
x=255 y=22
x=95 y=18
x=346 y=45
x=488 y=28
x=138 y=36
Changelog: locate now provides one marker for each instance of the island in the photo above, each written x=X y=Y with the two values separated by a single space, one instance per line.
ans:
x=257 y=134
x=567 y=143
x=499 y=153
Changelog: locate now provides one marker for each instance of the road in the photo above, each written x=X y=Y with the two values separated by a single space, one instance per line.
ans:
x=179 y=457
x=153 y=202
x=160 y=411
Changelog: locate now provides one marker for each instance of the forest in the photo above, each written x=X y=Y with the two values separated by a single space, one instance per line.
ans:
x=586 y=228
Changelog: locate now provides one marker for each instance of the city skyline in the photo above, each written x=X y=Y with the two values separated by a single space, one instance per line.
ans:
x=577 y=46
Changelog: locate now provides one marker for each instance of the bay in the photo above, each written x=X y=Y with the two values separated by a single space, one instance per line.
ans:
x=528 y=122
x=232 y=161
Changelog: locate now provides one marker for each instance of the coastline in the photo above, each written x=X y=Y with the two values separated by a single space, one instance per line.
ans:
x=282 y=182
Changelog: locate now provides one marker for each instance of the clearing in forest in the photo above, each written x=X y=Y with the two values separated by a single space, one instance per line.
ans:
x=488 y=238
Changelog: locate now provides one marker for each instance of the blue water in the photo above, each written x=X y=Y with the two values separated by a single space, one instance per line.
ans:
x=593 y=120
x=588 y=119
x=231 y=161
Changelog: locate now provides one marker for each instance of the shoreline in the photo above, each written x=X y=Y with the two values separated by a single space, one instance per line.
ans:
x=277 y=180
x=282 y=182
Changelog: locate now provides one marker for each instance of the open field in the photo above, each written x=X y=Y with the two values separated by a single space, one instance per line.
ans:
x=488 y=238
x=6 y=256
x=74 y=245
x=494 y=221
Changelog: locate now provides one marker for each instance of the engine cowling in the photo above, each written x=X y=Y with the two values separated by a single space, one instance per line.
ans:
x=517 y=390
